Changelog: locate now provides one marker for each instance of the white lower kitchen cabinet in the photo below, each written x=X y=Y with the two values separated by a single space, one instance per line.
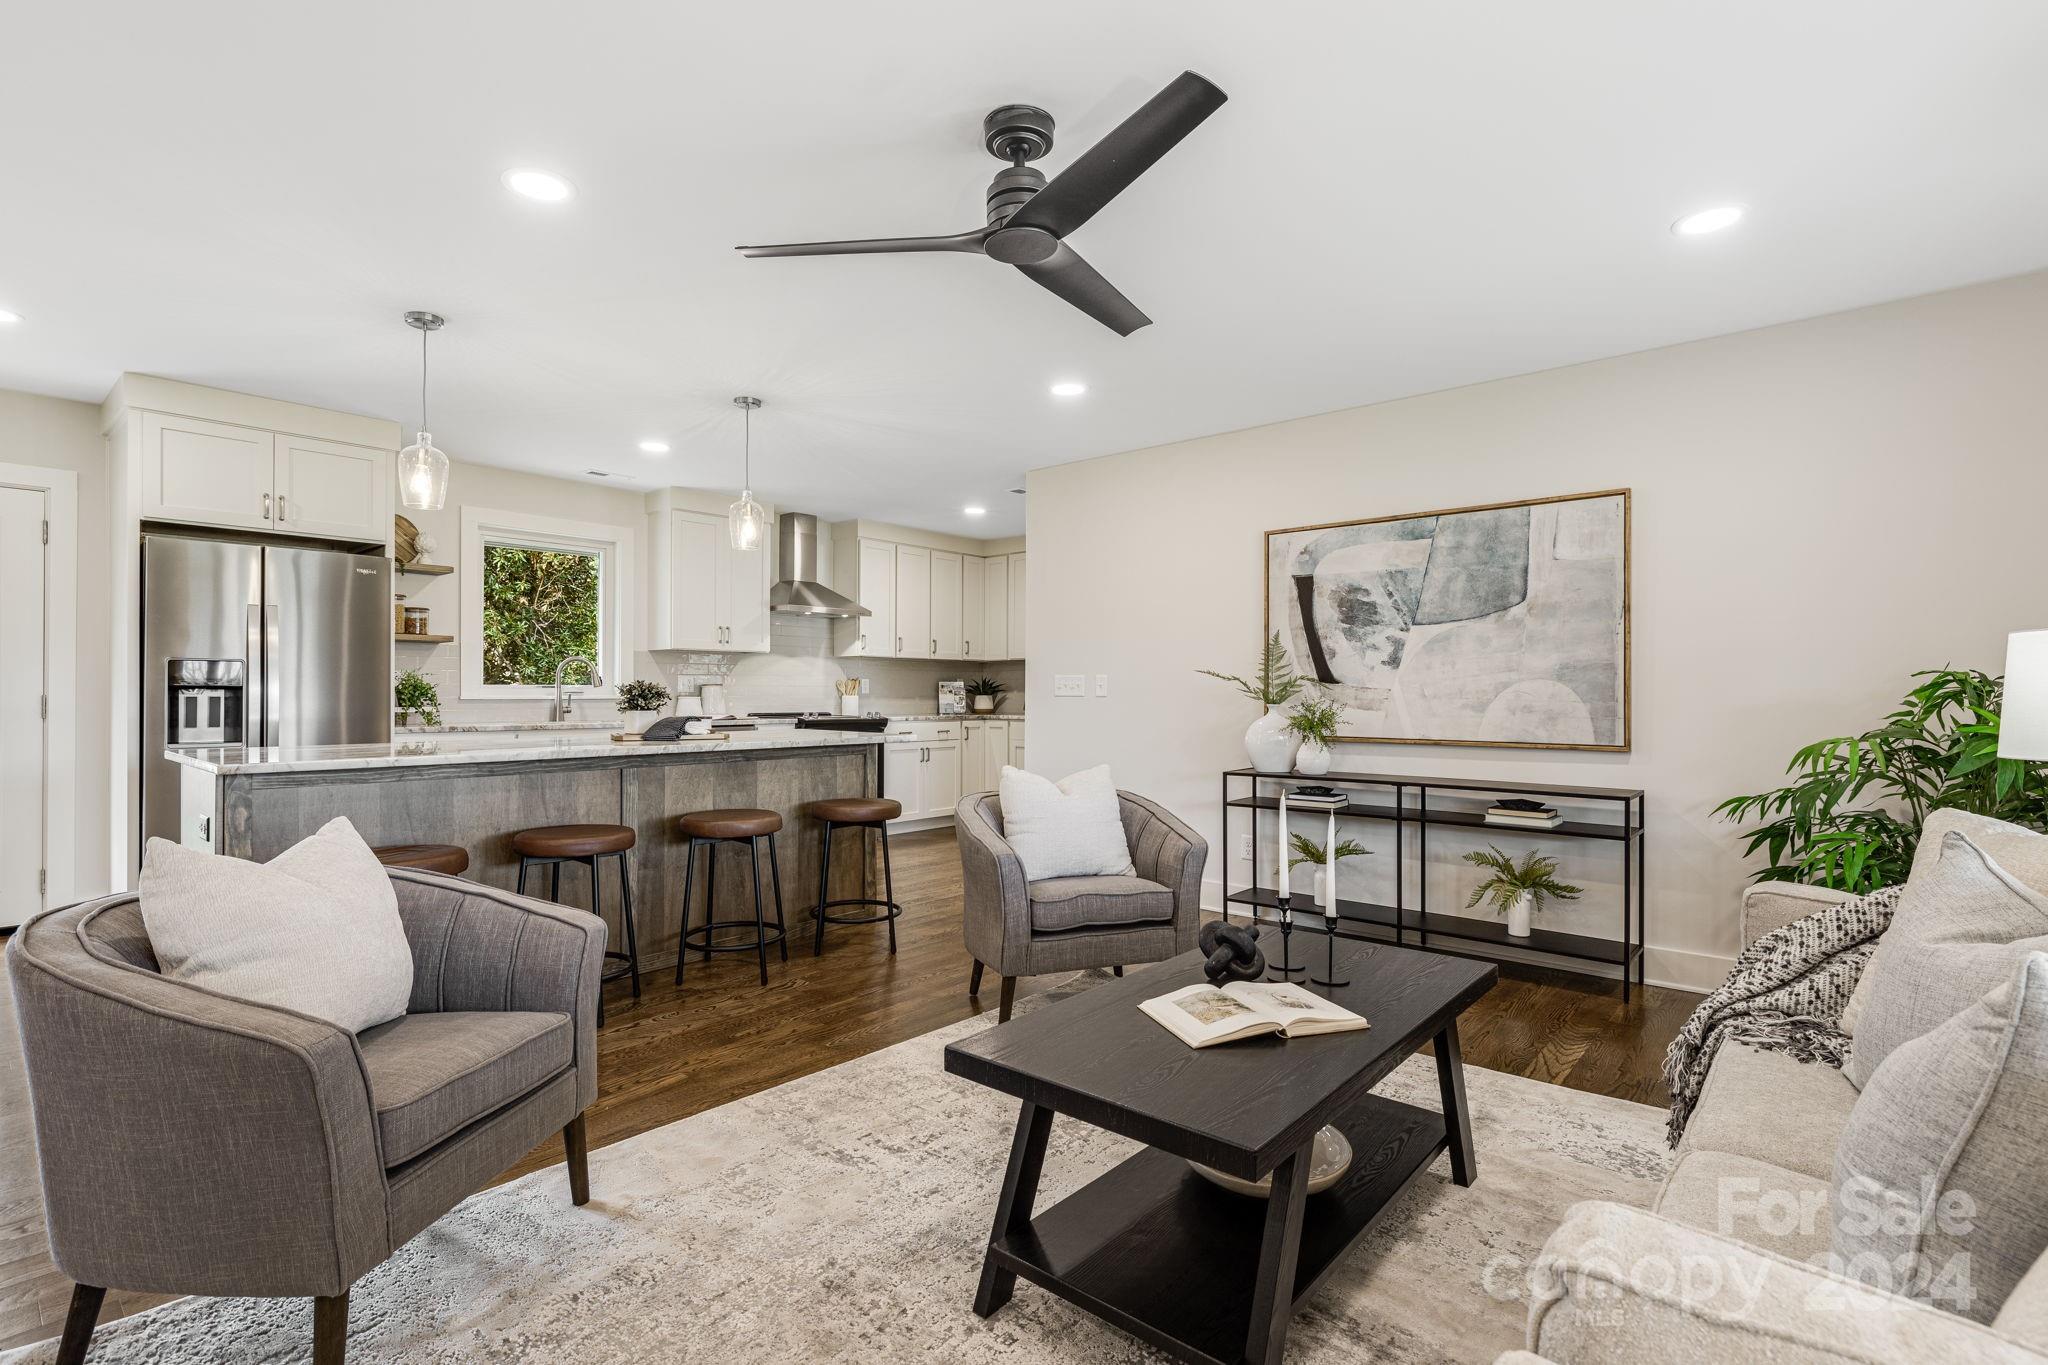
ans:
x=922 y=767
x=1017 y=745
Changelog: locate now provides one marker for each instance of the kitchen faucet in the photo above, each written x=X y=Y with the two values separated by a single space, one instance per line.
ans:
x=565 y=702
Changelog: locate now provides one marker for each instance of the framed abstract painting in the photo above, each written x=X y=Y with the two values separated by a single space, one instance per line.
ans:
x=1503 y=625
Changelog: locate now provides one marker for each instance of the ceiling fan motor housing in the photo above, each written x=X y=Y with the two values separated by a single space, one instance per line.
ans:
x=1017 y=133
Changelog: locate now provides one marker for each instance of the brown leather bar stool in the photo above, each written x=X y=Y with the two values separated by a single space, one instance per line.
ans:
x=552 y=845
x=855 y=812
x=712 y=828
x=425 y=857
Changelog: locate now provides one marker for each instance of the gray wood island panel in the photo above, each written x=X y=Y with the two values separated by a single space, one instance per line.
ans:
x=264 y=801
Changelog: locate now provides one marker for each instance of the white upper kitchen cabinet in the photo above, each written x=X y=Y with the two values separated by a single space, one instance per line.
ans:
x=948 y=604
x=1015 y=634
x=326 y=488
x=973 y=607
x=914 y=602
x=708 y=595
x=867 y=574
x=207 y=473
x=994 y=640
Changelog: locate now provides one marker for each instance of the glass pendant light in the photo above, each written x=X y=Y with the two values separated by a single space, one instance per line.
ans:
x=423 y=470
x=745 y=519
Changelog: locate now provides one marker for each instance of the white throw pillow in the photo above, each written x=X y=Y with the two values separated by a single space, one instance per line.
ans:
x=1070 y=828
x=315 y=929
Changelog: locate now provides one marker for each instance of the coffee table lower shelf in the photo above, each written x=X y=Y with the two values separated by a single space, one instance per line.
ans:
x=1170 y=1258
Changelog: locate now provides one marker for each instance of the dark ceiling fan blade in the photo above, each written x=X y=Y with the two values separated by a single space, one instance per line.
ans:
x=960 y=241
x=1105 y=170
x=1073 y=279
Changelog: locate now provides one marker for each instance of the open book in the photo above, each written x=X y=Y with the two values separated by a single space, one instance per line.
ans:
x=1202 y=1016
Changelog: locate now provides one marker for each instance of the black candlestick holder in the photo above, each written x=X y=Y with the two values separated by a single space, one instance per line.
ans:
x=1286 y=967
x=1329 y=977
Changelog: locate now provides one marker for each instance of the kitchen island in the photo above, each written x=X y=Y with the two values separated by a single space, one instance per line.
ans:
x=476 y=790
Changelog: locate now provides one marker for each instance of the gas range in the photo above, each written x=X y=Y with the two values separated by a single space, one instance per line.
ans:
x=825 y=720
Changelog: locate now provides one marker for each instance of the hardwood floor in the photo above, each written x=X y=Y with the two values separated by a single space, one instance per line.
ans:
x=722 y=1036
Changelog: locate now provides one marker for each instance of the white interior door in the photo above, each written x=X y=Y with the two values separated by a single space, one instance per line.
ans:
x=24 y=747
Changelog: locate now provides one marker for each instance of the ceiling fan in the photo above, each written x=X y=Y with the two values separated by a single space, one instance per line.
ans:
x=1029 y=218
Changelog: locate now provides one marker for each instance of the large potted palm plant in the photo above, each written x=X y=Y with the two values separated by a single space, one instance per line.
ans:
x=1269 y=741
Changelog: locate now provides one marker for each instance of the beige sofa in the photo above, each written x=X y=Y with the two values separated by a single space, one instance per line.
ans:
x=1725 y=1267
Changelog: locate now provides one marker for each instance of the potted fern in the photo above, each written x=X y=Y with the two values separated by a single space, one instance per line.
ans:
x=1269 y=741
x=414 y=695
x=641 y=701
x=1307 y=850
x=1518 y=889
x=1315 y=722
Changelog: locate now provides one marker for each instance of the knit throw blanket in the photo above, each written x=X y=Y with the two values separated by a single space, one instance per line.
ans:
x=1786 y=994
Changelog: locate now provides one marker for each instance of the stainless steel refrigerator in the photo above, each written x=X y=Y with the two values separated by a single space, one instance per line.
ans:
x=261 y=645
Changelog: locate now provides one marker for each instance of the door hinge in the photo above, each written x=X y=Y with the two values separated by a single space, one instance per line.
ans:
x=43 y=881
x=46 y=706
x=46 y=533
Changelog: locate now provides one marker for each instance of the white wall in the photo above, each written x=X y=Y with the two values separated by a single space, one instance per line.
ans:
x=1820 y=509
x=476 y=485
x=57 y=433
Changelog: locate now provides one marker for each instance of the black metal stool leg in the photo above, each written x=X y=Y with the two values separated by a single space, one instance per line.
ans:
x=626 y=915
x=555 y=881
x=824 y=890
x=710 y=892
x=775 y=871
x=760 y=924
x=689 y=882
x=523 y=861
x=597 y=909
x=888 y=886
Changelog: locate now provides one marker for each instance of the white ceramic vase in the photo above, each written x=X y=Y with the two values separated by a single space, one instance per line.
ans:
x=1518 y=915
x=1324 y=901
x=1313 y=760
x=1270 y=744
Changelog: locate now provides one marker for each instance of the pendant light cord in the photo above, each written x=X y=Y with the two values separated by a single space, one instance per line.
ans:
x=423 y=379
x=747 y=450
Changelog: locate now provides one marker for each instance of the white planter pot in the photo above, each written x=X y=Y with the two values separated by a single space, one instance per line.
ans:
x=984 y=704
x=1324 y=900
x=1270 y=744
x=1518 y=915
x=1313 y=760
x=638 y=721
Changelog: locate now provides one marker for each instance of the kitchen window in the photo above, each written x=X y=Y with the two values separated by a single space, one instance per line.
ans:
x=537 y=590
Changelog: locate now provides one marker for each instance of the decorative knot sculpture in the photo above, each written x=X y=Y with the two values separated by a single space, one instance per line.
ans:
x=1233 y=952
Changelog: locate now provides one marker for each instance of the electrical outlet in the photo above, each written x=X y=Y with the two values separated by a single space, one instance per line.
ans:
x=1069 y=685
x=863 y=687
x=1244 y=846
x=1102 y=684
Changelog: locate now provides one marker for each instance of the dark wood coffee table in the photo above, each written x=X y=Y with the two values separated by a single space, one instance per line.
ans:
x=1206 y=1275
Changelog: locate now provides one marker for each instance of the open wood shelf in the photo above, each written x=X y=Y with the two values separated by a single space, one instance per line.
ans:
x=405 y=639
x=418 y=569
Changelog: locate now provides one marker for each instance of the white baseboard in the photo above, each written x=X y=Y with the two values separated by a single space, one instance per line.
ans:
x=1672 y=967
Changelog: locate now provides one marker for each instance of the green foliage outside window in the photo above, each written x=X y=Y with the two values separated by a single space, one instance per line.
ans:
x=540 y=607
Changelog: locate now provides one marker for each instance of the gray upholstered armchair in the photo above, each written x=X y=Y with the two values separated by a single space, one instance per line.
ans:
x=196 y=1144
x=1062 y=924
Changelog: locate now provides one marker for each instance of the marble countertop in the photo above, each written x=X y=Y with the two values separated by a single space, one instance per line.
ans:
x=429 y=750
x=495 y=726
x=985 y=715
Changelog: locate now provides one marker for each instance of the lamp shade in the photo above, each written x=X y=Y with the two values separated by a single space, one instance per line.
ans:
x=2023 y=728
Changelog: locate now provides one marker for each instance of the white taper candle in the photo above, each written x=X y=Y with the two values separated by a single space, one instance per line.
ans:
x=1330 y=867
x=1283 y=843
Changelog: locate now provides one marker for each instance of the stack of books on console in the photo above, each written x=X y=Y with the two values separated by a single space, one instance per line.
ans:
x=1526 y=814
x=1316 y=798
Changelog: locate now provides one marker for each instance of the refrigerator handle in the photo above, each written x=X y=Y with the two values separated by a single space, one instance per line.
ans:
x=272 y=681
x=252 y=687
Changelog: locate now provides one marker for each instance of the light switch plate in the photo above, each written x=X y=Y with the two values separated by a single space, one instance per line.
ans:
x=1102 y=684
x=1069 y=685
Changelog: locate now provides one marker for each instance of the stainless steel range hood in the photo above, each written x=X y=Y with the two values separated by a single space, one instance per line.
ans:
x=799 y=592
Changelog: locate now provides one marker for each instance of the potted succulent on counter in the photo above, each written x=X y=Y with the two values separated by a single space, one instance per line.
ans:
x=642 y=701
x=1518 y=889
x=1270 y=740
x=987 y=694
x=414 y=695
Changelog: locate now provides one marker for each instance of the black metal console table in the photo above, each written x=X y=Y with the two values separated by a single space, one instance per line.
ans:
x=1404 y=801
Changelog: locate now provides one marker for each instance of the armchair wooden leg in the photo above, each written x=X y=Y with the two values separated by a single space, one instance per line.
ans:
x=577 y=1149
x=79 y=1322
x=330 y=1329
x=974 y=981
x=1009 y=999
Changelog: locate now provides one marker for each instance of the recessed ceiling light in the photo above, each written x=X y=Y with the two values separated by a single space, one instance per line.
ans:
x=654 y=447
x=1069 y=388
x=8 y=317
x=1708 y=220
x=545 y=186
x=975 y=511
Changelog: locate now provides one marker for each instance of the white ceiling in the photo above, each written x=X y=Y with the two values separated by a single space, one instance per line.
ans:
x=1398 y=197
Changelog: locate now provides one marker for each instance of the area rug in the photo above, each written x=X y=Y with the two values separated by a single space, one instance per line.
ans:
x=841 y=1217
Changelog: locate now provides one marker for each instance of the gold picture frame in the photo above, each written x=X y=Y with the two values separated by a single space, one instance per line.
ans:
x=1624 y=694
